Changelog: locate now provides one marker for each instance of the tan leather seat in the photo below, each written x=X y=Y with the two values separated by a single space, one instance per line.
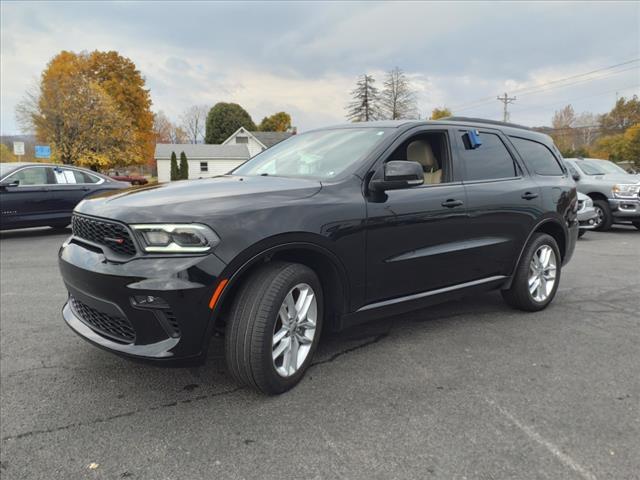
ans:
x=420 y=151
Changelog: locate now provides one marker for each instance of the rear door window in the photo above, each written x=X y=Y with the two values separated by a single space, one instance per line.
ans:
x=537 y=156
x=490 y=161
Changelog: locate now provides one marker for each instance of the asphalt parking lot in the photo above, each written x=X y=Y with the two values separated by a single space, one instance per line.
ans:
x=465 y=390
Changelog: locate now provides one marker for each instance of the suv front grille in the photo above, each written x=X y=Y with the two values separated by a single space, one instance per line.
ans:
x=114 y=236
x=116 y=328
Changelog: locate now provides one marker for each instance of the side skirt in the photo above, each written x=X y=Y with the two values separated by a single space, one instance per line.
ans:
x=417 y=301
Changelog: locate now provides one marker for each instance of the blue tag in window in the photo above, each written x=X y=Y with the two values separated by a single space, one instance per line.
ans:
x=474 y=138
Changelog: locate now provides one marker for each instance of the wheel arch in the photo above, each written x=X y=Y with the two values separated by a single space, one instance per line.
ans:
x=550 y=226
x=597 y=196
x=328 y=267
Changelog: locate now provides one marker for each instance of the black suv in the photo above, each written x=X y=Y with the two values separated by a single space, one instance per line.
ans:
x=321 y=231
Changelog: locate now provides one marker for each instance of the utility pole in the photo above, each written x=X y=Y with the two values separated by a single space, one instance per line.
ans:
x=506 y=100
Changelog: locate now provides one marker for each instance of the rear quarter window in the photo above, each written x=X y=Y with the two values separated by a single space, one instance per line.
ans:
x=537 y=156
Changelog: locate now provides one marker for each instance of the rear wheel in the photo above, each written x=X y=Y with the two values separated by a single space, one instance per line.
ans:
x=274 y=327
x=604 y=218
x=537 y=276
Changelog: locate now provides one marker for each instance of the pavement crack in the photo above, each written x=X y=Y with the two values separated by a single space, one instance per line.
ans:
x=374 y=340
x=119 y=415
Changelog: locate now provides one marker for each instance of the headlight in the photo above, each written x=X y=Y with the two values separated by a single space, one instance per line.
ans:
x=176 y=238
x=588 y=202
x=625 y=191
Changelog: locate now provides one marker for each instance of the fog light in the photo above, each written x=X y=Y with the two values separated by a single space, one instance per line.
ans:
x=148 y=301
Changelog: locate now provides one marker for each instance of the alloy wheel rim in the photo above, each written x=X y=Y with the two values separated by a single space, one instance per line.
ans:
x=542 y=273
x=599 y=216
x=294 y=330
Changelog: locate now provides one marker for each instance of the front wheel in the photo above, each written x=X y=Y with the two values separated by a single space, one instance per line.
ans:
x=604 y=218
x=537 y=275
x=636 y=224
x=274 y=327
x=581 y=232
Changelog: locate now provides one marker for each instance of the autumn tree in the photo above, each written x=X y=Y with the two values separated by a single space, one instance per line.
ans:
x=438 y=113
x=6 y=155
x=586 y=129
x=632 y=144
x=194 y=119
x=398 y=99
x=92 y=108
x=278 y=122
x=184 y=166
x=365 y=105
x=563 y=132
x=165 y=131
x=175 y=171
x=224 y=119
x=624 y=114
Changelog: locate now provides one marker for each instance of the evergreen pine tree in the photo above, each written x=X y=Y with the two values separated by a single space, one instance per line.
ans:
x=184 y=167
x=175 y=172
x=366 y=102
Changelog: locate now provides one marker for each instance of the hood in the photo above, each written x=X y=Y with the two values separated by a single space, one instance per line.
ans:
x=197 y=199
x=616 y=178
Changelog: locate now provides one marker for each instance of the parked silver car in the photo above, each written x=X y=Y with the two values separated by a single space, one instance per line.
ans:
x=615 y=193
x=587 y=215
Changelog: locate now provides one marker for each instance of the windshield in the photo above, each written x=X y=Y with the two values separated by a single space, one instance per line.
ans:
x=599 y=167
x=322 y=155
x=6 y=168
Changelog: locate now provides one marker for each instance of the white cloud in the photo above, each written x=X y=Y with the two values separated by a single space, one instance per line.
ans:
x=304 y=58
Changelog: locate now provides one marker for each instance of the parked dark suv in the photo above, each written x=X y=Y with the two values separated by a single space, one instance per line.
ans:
x=321 y=231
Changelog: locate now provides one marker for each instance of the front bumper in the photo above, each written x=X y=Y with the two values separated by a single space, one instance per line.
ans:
x=625 y=209
x=587 y=218
x=104 y=305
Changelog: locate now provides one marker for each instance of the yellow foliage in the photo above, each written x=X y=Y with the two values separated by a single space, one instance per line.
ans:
x=438 y=113
x=6 y=155
x=94 y=111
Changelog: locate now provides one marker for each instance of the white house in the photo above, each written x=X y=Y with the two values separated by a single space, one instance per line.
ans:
x=204 y=160
x=256 y=142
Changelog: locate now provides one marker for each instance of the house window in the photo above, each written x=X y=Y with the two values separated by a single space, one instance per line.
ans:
x=204 y=167
x=242 y=139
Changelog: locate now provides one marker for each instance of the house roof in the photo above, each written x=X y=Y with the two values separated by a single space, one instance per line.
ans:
x=269 y=139
x=266 y=139
x=197 y=150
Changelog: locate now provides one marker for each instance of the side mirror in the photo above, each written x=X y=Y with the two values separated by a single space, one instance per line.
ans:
x=575 y=177
x=399 y=174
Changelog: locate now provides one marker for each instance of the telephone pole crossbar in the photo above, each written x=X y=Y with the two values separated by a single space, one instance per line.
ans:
x=506 y=100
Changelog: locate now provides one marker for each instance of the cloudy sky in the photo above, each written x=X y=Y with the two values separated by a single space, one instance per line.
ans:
x=304 y=57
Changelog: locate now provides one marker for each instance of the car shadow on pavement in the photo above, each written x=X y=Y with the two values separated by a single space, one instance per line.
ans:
x=146 y=384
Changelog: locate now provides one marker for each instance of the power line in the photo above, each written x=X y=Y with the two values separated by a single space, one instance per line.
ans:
x=545 y=90
x=506 y=100
x=529 y=90
x=568 y=101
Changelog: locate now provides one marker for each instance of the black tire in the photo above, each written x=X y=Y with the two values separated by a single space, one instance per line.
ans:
x=518 y=295
x=581 y=232
x=636 y=224
x=250 y=327
x=607 y=219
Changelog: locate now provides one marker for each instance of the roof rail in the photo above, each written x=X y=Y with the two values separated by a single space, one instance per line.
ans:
x=483 y=120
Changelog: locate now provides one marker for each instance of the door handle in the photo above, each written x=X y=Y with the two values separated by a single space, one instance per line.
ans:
x=529 y=195
x=451 y=202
